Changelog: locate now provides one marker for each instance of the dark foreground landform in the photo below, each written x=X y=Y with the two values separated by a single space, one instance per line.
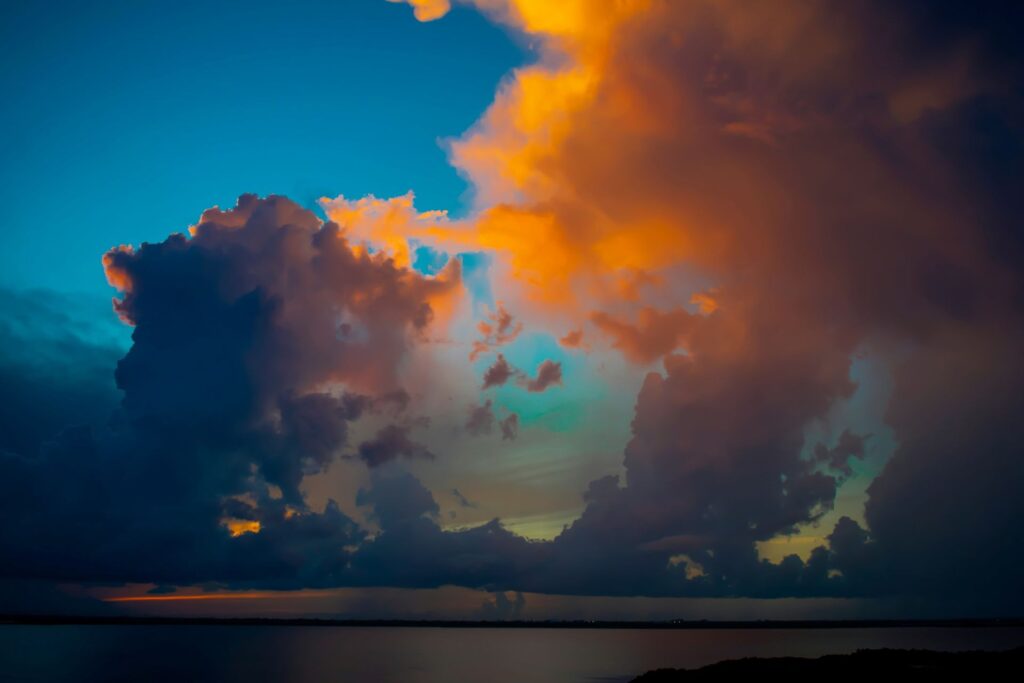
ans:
x=906 y=665
x=99 y=620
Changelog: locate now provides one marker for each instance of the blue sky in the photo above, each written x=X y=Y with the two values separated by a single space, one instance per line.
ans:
x=121 y=121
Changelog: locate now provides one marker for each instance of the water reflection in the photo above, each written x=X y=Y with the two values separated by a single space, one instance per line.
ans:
x=61 y=654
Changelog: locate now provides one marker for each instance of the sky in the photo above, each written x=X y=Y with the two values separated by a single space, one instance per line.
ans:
x=511 y=309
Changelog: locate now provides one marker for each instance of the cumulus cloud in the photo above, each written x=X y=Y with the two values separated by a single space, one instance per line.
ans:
x=256 y=342
x=844 y=177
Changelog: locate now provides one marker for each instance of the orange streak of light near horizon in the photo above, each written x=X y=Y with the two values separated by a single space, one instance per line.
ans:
x=256 y=595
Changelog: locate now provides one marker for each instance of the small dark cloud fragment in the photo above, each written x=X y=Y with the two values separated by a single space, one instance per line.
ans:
x=499 y=373
x=549 y=373
x=509 y=427
x=390 y=443
x=502 y=608
x=462 y=500
x=481 y=419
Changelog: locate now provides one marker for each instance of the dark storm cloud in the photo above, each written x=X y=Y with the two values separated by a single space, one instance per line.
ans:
x=847 y=177
x=947 y=510
x=859 y=187
x=396 y=500
x=242 y=335
x=412 y=550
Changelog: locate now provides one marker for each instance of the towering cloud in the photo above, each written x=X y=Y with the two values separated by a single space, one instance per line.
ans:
x=846 y=178
x=256 y=342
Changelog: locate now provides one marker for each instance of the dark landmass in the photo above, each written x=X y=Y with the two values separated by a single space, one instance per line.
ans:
x=908 y=665
x=29 y=619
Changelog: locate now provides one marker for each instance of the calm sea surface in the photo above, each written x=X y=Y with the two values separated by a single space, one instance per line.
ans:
x=424 y=655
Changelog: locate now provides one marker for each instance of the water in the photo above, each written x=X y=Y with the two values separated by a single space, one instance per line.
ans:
x=425 y=655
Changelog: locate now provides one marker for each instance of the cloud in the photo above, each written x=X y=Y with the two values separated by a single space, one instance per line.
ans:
x=256 y=342
x=390 y=443
x=944 y=514
x=481 y=419
x=498 y=329
x=397 y=499
x=428 y=10
x=815 y=183
x=462 y=500
x=573 y=339
x=509 y=427
x=55 y=367
x=654 y=335
x=549 y=373
x=844 y=178
x=499 y=373
x=837 y=458
x=413 y=551
x=501 y=608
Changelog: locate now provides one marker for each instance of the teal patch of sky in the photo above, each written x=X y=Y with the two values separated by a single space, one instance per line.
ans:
x=47 y=323
x=122 y=120
x=475 y=271
x=476 y=267
x=426 y=259
x=559 y=408
x=863 y=414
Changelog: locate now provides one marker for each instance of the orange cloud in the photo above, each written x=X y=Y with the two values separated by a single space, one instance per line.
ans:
x=654 y=335
x=237 y=527
x=428 y=10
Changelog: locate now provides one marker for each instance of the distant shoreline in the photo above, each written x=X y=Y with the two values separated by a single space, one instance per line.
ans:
x=676 y=624
x=915 y=665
